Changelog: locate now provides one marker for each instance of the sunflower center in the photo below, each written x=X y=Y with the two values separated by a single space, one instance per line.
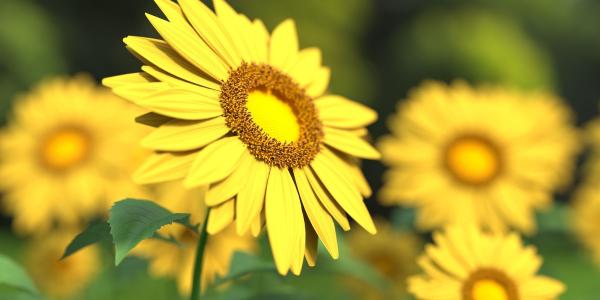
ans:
x=472 y=160
x=489 y=284
x=272 y=116
x=65 y=148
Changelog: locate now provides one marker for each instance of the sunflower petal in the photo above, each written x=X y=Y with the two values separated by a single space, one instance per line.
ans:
x=220 y=216
x=320 y=83
x=349 y=143
x=307 y=65
x=180 y=135
x=183 y=104
x=127 y=79
x=160 y=167
x=319 y=217
x=251 y=198
x=284 y=45
x=337 y=111
x=327 y=200
x=232 y=25
x=231 y=185
x=312 y=243
x=343 y=191
x=215 y=162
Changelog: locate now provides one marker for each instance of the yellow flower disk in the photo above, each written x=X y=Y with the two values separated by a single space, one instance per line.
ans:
x=245 y=112
x=464 y=263
x=490 y=155
x=66 y=154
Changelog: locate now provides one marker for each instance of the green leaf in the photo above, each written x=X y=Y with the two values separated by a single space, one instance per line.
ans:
x=132 y=221
x=13 y=275
x=556 y=219
x=243 y=264
x=94 y=233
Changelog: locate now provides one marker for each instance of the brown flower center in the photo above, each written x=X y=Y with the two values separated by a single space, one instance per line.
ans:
x=272 y=115
x=472 y=160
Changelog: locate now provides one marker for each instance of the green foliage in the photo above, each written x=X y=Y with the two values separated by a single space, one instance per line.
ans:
x=478 y=45
x=94 y=233
x=12 y=275
x=132 y=221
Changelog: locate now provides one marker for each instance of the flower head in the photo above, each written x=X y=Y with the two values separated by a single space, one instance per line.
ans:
x=66 y=155
x=466 y=263
x=245 y=112
x=487 y=154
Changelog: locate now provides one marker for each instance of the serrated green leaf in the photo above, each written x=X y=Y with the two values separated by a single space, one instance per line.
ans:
x=94 y=233
x=132 y=221
x=13 y=275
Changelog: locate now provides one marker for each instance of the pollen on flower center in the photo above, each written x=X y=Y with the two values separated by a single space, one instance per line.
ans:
x=472 y=160
x=272 y=115
x=489 y=284
x=64 y=148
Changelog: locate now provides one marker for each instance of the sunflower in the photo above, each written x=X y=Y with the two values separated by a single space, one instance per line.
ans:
x=56 y=278
x=467 y=264
x=487 y=154
x=64 y=154
x=177 y=260
x=245 y=112
x=585 y=216
x=390 y=252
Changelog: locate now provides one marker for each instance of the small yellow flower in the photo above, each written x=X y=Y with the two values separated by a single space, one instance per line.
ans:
x=177 y=261
x=60 y=279
x=585 y=216
x=246 y=112
x=488 y=154
x=64 y=154
x=390 y=252
x=465 y=263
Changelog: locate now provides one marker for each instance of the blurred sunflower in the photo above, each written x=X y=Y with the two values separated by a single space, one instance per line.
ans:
x=585 y=216
x=390 y=252
x=489 y=155
x=64 y=154
x=466 y=263
x=244 y=111
x=56 y=278
x=177 y=261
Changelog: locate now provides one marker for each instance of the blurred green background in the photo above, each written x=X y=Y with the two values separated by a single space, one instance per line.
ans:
x=378 y=51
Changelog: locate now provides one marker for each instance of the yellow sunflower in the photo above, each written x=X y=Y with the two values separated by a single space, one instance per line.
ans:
x=585 y=216
x=60 y=279
x=245 y=112
x=64 y=152
x=467 y=264
x=177 y=261
x=390 y=252
x=487 y=154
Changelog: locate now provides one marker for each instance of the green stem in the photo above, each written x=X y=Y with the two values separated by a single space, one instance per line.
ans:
x=199 y=260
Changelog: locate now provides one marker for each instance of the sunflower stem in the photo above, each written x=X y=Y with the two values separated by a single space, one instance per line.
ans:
x=196 y=284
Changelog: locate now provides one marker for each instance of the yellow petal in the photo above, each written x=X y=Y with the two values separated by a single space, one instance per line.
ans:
x=215 y=162
x=320 y=83
x=261 y=39
x=337 y=111
x=284 y=46
x=136 y=92
x=252 y=40
x=158 y=53
x=233 y=26
x=180 y=135
x=283 y=215
x=349 y=143
x=127 y=79
x=160 y=167
x=360 y=181
x=343 y=191
x=312 y=244
x=251 y=198
x=319 y=217
x=258 y=223
x=173 y=81
x=231 y=185
x=327 y=200
x=299 y=250
x=220 y=216
x=191 y=47
x=211 y=30
x=307 y=65
x=183 y=104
